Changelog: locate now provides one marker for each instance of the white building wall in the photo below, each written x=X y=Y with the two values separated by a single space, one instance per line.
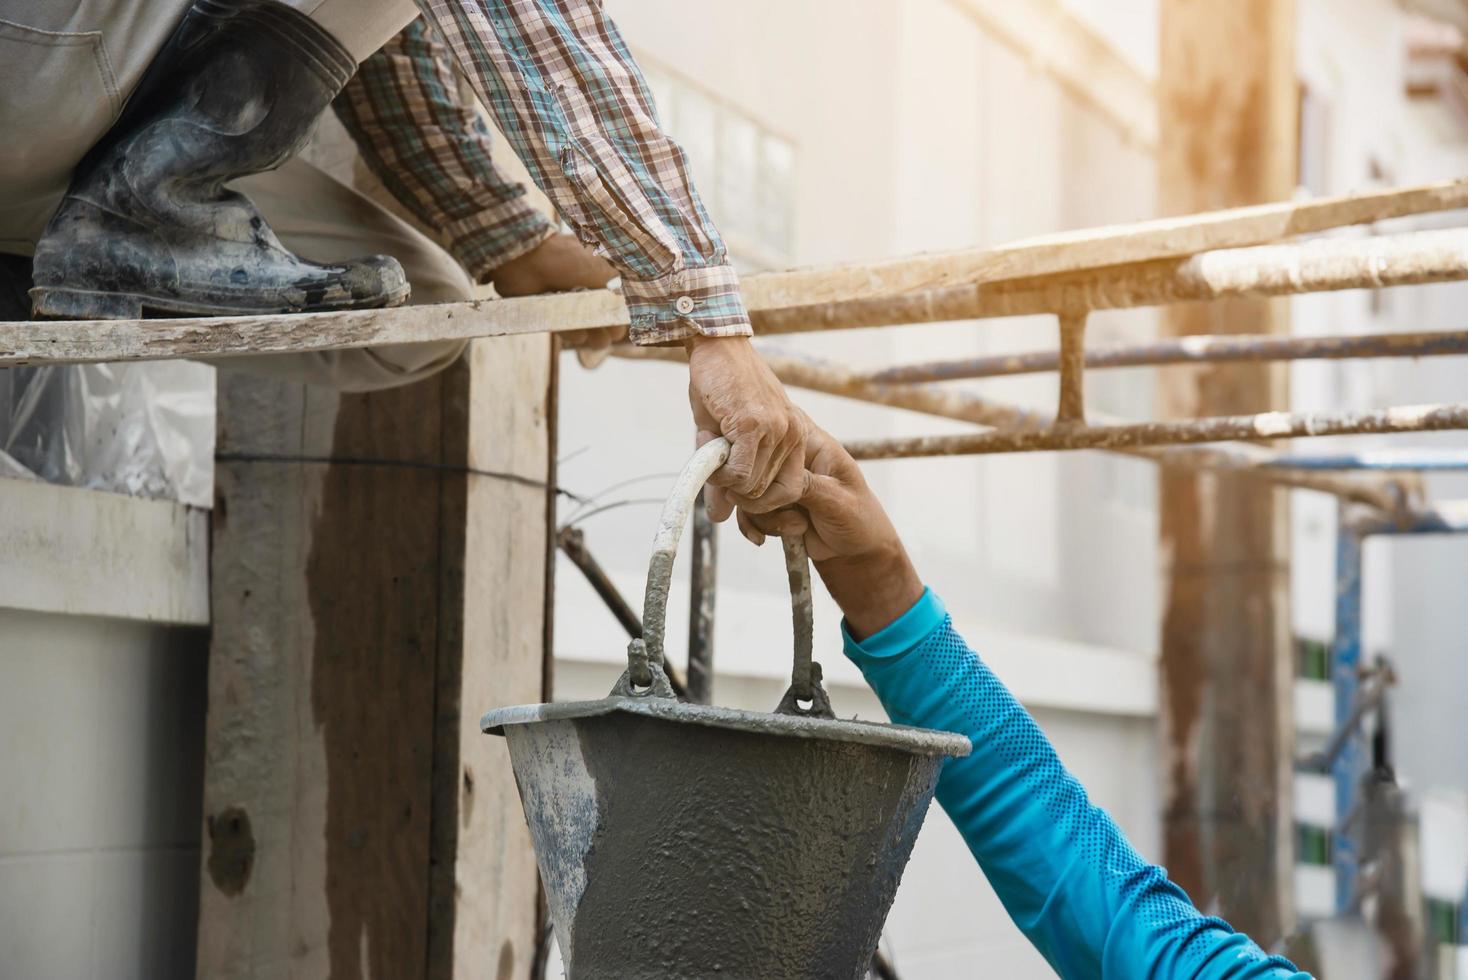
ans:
x=1363 y=130
x=912 y=131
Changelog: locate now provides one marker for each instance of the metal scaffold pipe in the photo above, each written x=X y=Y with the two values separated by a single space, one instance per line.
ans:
x=1267 y=425
x=966 y=406
x=1386 y=494
x=1188 y=350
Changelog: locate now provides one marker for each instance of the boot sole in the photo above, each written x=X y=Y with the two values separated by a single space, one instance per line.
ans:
x=81 y=304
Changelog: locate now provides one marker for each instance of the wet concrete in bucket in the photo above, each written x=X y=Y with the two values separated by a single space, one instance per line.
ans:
x=723 y=853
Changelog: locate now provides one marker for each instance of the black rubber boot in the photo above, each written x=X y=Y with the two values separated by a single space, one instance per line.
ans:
x=147 y=222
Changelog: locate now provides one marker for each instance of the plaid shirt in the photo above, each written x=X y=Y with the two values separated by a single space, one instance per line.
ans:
x=573 y=104
x=432 y=151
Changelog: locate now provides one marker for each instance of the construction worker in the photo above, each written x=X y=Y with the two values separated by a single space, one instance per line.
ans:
x=1066 y=874
x=138 y=134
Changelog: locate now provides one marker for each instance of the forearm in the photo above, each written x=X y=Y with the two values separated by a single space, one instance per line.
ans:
x=569 y=98
x=433 y=153
x=1065 y=873
x=872 y=590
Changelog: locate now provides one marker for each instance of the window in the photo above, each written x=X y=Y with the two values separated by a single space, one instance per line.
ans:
x=745 y=172
x=1444 y=922
x=1312 y=659
x=1312 y=844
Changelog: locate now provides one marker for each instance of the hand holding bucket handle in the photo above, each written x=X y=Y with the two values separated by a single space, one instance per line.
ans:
x=645 y=675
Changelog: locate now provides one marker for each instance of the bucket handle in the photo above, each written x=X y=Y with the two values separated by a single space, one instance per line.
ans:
x=645 y=675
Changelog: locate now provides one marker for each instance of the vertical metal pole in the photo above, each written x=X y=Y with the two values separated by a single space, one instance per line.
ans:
x=1462 y=937
x=702 y=575
x=1072 y=367
x=1350 y=762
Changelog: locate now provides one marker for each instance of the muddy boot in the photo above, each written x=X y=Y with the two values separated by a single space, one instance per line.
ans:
x=147 y=222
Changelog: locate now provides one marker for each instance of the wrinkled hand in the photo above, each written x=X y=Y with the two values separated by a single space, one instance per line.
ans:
x=734 y=394
x=561 y=264
x=848 y=535
x=838 y=515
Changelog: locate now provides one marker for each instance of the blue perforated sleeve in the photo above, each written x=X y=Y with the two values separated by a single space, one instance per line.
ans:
x=1066 y=874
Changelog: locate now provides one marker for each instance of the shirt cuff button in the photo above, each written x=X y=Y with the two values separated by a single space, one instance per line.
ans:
x=684 y=305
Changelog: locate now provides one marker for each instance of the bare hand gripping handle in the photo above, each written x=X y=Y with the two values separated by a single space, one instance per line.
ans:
x=645 y=675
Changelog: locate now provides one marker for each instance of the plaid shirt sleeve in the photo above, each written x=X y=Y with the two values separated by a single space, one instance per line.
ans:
x=432 y=152
x=568 y=96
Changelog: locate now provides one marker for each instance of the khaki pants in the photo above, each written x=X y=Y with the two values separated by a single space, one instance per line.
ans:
x=67 y=68
x=323 y=219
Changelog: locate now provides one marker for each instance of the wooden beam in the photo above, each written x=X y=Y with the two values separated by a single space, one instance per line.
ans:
x=1316 y=265
x=378 y=582
x=1082 y=63
x=852 y=291
x=484 y=909
x=1228 y=102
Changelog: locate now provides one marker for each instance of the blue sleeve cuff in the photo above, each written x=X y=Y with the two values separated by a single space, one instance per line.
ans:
x=898 y=637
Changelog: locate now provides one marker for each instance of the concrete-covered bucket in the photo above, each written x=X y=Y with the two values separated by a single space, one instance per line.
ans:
x=686 y=841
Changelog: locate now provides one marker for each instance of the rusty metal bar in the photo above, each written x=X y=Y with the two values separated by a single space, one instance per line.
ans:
x=573 y=543
x=946 y=401
x=1372 y=686
x=1072 y=368
x=702 y=575
x=1268 y=425
x=1189 y=350
x=955 y=403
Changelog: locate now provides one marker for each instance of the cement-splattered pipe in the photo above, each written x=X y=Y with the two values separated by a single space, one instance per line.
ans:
x=1268 y=425
x=1187 y=350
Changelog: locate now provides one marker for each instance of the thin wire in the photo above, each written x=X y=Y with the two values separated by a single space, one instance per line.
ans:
x=612 y=506
x=573 y=454
x=403 y=464
x=600 y=494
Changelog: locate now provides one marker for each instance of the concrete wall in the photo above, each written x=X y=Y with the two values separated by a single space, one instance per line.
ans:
x=101 y=724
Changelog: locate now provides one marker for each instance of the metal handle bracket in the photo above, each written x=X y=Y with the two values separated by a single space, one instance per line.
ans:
x=645 y=676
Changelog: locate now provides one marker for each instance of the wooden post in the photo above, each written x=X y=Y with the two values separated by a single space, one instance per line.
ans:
x=379 y=580
x=1227 y=100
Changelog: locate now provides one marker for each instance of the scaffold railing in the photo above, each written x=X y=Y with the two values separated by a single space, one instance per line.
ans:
x=1242 y=252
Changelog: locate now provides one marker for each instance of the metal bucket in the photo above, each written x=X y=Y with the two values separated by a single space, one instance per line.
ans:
x=687 y=841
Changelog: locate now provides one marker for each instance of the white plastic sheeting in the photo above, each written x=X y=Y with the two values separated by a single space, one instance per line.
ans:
x=146 y=430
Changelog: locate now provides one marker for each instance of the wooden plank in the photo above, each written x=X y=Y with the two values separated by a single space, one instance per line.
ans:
x=771 y=294
x=372 y=595
x=1228 y=102
x=88 y=553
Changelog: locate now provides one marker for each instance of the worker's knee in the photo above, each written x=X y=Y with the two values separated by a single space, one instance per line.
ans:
x=360 y=26
x=324 y=220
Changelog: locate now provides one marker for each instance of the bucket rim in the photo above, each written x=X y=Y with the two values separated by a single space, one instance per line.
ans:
x=918 y=741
